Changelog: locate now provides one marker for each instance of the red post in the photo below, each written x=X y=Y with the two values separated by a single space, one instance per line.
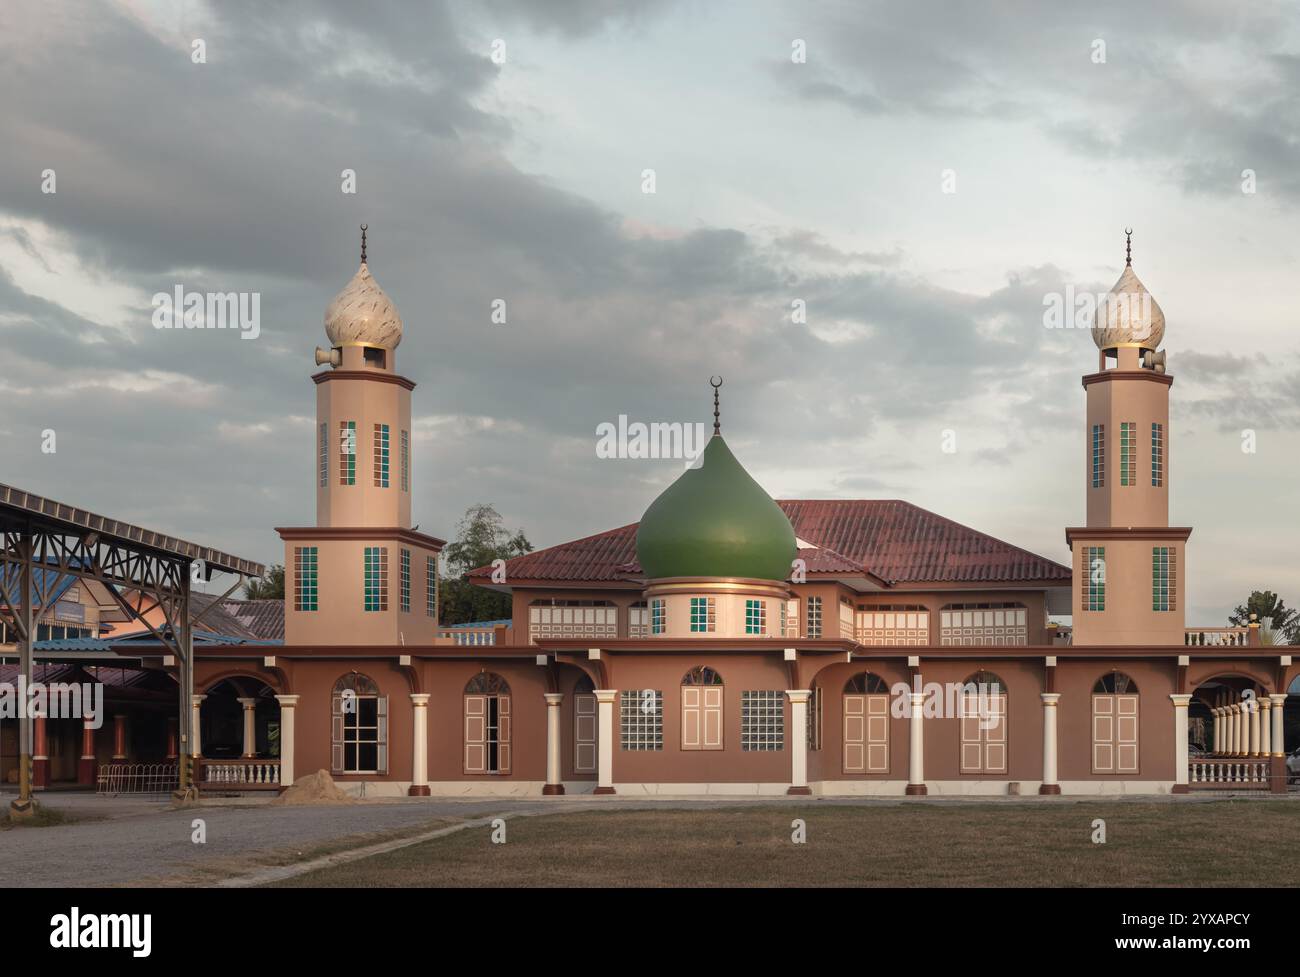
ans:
x=119 y=737
x=86 y=765
x=172 y=751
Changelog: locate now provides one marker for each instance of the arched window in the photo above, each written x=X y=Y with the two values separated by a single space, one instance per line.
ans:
x=701 y=675
x=866 y=724
x=983 y=724
x=1115 y=724
x=702 y=709
x=1114 y=683
x=487 y=724
x=487 y=683
x=865 y=683
x=358 y=726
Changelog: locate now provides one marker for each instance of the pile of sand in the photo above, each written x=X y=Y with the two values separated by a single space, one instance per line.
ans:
x=316 y=788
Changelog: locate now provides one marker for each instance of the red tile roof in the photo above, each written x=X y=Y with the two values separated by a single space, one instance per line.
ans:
x=893 y=540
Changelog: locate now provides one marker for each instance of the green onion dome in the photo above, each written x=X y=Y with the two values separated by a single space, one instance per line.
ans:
x=715 y=521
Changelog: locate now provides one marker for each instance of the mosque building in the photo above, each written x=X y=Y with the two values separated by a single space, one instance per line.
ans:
x=733 y=644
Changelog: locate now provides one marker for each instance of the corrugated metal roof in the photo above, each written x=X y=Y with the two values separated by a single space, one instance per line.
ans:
x=894 y=540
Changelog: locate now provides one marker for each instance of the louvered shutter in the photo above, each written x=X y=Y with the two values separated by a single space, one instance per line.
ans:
x=692 y=721
x=877 y=729
x=995 y=735
x=712 y=717
x=584 y=733
x=1103 y=734
x=1126 y=734
x=855 y=734
x=381 y=707
x=475 y=734
x=972 y=744
x=503 y=734
x=336 y=734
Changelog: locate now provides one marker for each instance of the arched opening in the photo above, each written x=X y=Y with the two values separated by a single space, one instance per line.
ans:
x=982 y=733
x=487 y=725
x=225 y=731
x=866 y=724
x=702 y=692
x=359 y=726
x=1115 y=724
x=1231 y=728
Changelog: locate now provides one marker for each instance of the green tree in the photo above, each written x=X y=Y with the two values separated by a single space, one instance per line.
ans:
x=1272 y=613
x=480 y=539
x=268 y=587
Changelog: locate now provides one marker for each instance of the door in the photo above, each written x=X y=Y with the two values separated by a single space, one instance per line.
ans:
x=1114 y=734
x=866 y=734
x=701 y=717
x=584 y=733
x=984 y=734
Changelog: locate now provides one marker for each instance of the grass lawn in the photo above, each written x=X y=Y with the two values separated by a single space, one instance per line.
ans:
x=1226 y=843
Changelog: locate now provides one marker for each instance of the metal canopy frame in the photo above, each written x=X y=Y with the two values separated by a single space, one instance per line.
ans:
x=63 y=541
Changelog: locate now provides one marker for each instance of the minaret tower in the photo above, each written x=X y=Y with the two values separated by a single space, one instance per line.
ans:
x=1129 y=566
x=361 y=575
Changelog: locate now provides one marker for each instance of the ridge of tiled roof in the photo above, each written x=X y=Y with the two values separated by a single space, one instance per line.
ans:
x=896 y=541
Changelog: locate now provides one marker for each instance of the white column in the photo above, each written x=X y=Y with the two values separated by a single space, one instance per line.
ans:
x=419 y=745
x=1279 y=749
x=798 y=740
x=1050 y=783
x=1265 y=725
x=1252 y=747
x=196 y=746
x=605 y=740
x=1234 y=730
x=287 y=704
x=1217 y=747
x=250 y=727
x=554 y=785
x=916 y=746
x=1180 y=741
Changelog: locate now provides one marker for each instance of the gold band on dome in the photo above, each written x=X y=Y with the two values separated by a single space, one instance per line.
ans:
x=1150 y=346
x=353 y=342
x=724 y=585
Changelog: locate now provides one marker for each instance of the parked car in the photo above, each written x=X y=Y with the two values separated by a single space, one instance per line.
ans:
x=1293 y=766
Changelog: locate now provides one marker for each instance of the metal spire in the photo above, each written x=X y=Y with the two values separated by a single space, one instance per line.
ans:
x=715 y=383
x=1128 y=246
x=363 y=244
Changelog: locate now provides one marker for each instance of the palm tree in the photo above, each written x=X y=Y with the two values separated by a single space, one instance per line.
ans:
x=1271 y=612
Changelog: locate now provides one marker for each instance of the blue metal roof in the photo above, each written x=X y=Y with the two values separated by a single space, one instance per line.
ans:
x=504 y=622
x=134 y=641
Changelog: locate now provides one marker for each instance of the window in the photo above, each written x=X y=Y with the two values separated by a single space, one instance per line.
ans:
x=347 y=452
x=814 y=617
x=641 y=713
x=638 y=620
x=305 y=593
x=376 y=573
x=1164 y=589
x=359 y=726
x=381 y=456
x=984 y=624
x=755 y=617
x=658 y=616
x=1128 y=453
x=866 y=724
x=983 y=723
x=1157 y=455
x=431 y=586
x=406 y=461
x=762 y=720
x=1094 y=578
x=702 y=691
x=572 y=619
x=323 y=450
x=702 y=614
x=406 y=581
x=487 y=724
x=1115 y=724
x=892 y=624
x=1098 y=455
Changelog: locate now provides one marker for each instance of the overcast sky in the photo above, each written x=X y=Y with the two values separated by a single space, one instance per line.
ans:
x=821 y=181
